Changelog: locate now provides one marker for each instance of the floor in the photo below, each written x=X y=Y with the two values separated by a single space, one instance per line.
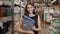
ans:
x=44 y=30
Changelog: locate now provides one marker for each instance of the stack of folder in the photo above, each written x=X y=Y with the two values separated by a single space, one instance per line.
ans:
x=28 y=23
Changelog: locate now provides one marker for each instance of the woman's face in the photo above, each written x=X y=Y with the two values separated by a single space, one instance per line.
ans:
x=30 y=8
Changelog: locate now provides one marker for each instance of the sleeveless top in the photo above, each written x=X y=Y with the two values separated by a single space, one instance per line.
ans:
x=36 y=19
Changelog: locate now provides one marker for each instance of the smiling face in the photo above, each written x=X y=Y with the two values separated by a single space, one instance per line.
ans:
x=30 y=8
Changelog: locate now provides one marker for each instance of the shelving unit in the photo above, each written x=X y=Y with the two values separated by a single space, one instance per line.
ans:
x=17 y=9
x=7 y=8
x=48 y=11
x=6 y=16
x=55 y=26
x=18 y=12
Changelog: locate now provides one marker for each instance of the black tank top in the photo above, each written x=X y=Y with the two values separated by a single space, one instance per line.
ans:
x=36 y=19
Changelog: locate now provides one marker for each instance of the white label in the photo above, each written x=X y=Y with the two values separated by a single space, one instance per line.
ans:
x=1 y=2
x=17 y=2
x=1 y=24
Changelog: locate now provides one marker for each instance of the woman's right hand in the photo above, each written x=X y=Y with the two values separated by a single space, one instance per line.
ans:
x=28 y=32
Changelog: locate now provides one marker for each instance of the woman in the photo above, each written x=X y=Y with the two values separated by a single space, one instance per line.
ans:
x=29 y=11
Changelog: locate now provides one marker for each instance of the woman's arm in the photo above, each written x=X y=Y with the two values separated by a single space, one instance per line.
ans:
x=28 y=32
x=39 y=25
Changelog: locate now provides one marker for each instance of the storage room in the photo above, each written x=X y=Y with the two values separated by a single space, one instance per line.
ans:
x=16 y=17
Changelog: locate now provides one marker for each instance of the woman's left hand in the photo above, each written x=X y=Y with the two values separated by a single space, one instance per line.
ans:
x=36 y=29
x=39 y=29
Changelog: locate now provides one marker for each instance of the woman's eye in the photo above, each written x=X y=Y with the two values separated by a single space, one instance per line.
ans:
x=31 y=7
x=27 y=7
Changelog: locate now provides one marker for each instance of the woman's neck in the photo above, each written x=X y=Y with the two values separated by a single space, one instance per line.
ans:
x=31 y=15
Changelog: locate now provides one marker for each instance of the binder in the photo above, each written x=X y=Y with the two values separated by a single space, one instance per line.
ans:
x=27 y=23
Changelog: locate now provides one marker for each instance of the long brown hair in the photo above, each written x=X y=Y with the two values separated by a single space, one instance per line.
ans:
x=26 y=12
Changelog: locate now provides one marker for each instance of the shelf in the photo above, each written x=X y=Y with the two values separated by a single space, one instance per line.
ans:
x=55 y=25
x=17 y=2
x=7 y=2
x=53 y=30
x=5 y=19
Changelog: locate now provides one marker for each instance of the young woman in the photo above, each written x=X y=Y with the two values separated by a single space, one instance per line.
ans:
x=29 y=11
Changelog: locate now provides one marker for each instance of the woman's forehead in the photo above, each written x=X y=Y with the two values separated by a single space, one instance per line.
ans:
x=29 y=6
